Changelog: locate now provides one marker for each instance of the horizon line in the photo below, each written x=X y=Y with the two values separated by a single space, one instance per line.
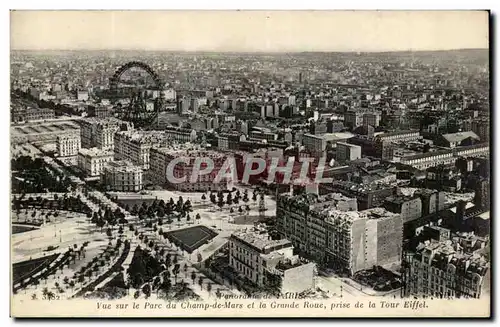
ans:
x=253 y=51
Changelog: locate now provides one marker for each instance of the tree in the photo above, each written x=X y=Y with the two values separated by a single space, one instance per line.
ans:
x=109 y=233
x=160 y=212
x=220 y=203
x=120 y=230
x=176 y=270
x=95 y=218
x=187 y=206
x=101 y=223
x=135 y=210
x=229 y=199
x=240 y=210
x=180 y=204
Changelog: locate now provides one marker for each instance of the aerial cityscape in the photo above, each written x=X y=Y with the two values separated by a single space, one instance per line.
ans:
x=221 y=175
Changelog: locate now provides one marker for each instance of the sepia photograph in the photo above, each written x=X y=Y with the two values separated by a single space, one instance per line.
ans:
x=183 y=163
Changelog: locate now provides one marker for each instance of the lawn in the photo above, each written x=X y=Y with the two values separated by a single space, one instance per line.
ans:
x=191 y=238
x=25 y=269
x=16 y=229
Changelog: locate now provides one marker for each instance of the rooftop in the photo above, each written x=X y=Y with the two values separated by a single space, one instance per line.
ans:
x=459 y=137
x=261 y=241
x=95 y=152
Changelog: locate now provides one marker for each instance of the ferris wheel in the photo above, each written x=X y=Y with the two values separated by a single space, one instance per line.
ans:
x=137 y=93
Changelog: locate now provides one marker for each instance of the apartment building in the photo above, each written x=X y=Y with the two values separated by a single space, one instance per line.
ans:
x=68 y=145
x=92 y=161
x=181 y=135
x=261 y=260
x=347 y=240
x=161 y=157
x=135 y=146
x=409 y=207
x=347 y=152
x=122 y=176
x=368 y=196
x=105 y=133
x=440 y=269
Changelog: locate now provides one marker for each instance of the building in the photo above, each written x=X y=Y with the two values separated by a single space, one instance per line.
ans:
x=135 y=146
x=99 y=133
x=229 y=141
x=368 y=196
x=269 y=264
x=408 y=207
x=264 y=135
x=68 y=145
x=82 y=95
x=481 y=127
x=122 y=176
x=432 y=201
x=99 y=111
x=347 y=152
x=105 y=134
x=27 y=114
x=161 y=157
x=445 y=157
x=181 y=135
x=454 y=140
x=442 y=270
x=429 y=159
x=401 y=136
x=353 y=119
x=371 y=119
x=331 y=233
x=359 y=240
x=92 y=161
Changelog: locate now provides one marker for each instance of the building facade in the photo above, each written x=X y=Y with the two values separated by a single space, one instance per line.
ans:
x=68 y=145
x=92 y=161
x=439 y=270
x=261 y=260
x=122 y=176
x=347 y=152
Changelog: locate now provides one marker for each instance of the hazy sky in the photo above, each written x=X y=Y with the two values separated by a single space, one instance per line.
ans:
x=250 y=30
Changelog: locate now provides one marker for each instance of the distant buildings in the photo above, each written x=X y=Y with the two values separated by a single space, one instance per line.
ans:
x=27 y=114
x=181 y=135
x=99 y=111
x=444 y=157
x=347 y=152
x=270 y=264
x=454 y=140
